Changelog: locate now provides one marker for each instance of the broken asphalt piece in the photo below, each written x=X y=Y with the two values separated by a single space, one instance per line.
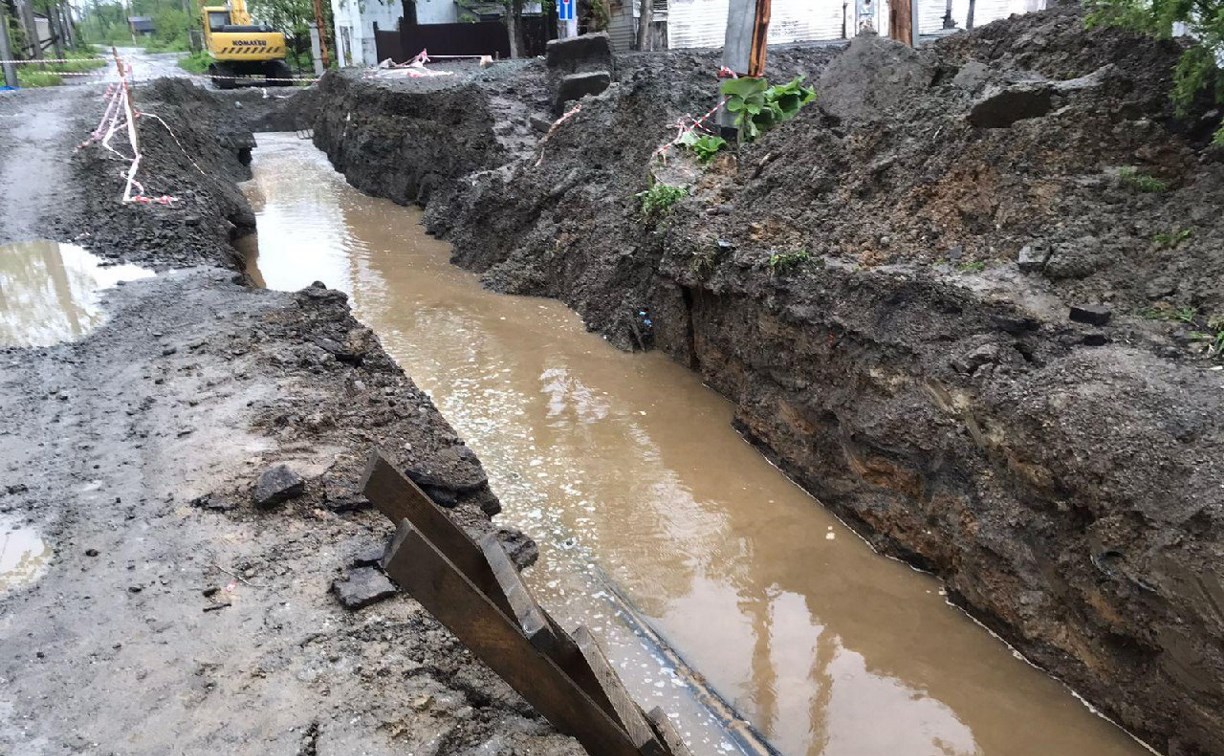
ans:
x=341 y=352
x=1000 y=107
x=370 y=555
x=362 y=587
x=585 y=52
x=1090 y=314
x=1031 y=260
x=1095 y=338
x=579 y=85
x=278 y=484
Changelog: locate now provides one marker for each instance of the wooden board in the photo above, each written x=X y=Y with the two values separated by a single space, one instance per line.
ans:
x=446 y=592
x=399 y=498
x=667 y=732
x=627 y=711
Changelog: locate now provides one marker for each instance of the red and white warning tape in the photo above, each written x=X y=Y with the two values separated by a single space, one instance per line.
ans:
x=687 y=123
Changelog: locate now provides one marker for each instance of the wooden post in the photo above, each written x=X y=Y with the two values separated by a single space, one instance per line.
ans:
x=6 y=52
x=26 y=9
x=900 y=21
x=318 y=10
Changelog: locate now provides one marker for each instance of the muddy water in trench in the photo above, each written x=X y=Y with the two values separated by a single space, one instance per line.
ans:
x=625 y=469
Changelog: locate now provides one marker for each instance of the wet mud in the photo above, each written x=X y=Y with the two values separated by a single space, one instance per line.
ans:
x=147 y=605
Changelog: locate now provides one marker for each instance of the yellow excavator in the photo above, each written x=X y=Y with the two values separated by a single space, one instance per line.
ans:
x=241 y=49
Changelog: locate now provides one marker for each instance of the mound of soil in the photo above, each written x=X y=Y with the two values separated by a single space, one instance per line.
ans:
x=956 y=300
x=196 y=156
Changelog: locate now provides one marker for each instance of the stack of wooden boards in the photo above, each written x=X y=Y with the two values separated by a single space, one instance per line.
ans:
x=475 y=590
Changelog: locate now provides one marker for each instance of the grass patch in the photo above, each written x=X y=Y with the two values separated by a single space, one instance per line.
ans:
x=781 y=262
x=659 y=199
x=977 y=266
x=1142 y=182
x=1171 y=239
x=48 y=74
x=196 y=63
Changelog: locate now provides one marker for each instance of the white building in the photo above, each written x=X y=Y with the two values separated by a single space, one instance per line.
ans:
x=702 y=23
x=356 y=19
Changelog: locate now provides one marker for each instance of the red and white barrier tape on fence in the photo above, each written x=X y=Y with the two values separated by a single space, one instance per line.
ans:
x=686 y=123
x=415 y=68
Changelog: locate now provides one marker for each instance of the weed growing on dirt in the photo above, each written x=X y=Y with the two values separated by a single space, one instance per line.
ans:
x=759 y=107
x=977 y=266
x=197 y=62
x=658 y=200
x=704 y=146
x=1131 y=177
x=781 y=262
x=49 y=74
x=1188 y=315
x=1171 y=239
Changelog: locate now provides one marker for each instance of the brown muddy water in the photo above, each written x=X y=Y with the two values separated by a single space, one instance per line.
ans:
x=51 y=292
x=626 y=470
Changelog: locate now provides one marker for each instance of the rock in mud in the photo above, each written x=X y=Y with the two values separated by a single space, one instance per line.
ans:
x=871 y=77
x=362 y=587
x=278 y=484
x=579 y=85
x=586 y=52
x=1090 y=314
x=1031 y=260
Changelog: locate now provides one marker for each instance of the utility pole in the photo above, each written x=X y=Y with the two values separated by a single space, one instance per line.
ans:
x=6 y=51
x=744 y=47
x=57 y=38
x=645 y=19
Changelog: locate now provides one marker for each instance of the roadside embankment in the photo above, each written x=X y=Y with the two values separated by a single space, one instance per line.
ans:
x=966 y=301
x=181 y=605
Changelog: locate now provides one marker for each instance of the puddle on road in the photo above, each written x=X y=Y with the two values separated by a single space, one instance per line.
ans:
x=50 y=292
x=625 y=466
x=23 y=556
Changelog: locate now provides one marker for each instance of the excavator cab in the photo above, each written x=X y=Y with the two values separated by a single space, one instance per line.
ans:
x=243 y=51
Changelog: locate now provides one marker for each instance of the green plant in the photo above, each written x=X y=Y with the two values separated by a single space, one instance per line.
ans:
x=704 y=146
x=977 y=266
x=30 y=77
x=657 y=201
x=1196 y=71
x=197 y=62
x=759 y=107
x=781 y=262
x=1131 y=177
x=1171 y=239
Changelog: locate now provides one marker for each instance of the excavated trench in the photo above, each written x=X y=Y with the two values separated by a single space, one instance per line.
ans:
x=628 y=472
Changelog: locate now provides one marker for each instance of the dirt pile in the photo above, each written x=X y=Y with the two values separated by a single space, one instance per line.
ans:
x=885 y=289
x=196 y=156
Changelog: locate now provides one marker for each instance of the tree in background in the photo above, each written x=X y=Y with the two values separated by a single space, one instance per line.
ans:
x=293 y=18
x=1197 y=73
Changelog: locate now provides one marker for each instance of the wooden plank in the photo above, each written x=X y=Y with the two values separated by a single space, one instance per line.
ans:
x=399 y=498
x=667 y=732
x=523 y=606
x=446 y=592
x=627 y=711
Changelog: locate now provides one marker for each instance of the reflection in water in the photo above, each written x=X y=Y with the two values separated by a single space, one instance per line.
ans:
x=626 y=469
x=49 y=291
x=23 y=556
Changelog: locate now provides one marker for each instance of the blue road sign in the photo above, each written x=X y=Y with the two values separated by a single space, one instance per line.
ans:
x=565 y=10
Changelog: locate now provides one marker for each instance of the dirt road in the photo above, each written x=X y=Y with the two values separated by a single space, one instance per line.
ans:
x=173 y=615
